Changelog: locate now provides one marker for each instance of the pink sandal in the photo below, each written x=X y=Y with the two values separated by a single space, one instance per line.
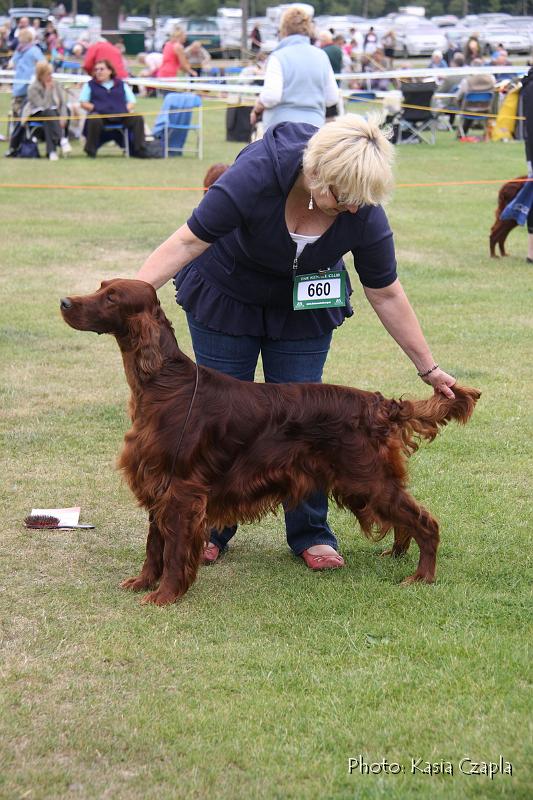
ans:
x=330 y=561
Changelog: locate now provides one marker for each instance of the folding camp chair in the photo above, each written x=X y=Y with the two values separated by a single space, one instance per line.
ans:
x=116 y=132
x=175 y=121
x=417 y=121
x=476 y=107
x=361 y=96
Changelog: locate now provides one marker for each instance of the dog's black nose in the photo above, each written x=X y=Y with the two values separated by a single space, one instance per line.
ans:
x=65 y=302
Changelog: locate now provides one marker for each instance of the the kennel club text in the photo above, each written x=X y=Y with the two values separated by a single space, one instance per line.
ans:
x=418 y=766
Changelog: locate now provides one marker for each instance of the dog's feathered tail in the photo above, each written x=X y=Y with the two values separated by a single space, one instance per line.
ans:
x=423 y=418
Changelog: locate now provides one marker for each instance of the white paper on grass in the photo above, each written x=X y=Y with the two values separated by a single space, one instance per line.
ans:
x=66 y=516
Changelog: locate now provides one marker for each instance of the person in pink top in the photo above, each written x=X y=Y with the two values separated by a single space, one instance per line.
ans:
x=105 y=51
x=174 y=58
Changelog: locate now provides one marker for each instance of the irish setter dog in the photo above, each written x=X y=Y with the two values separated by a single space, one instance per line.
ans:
x=213 y=174
x=503 y=227
x=206 y=450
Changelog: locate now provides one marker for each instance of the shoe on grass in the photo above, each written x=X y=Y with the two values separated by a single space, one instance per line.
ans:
x=211 y=553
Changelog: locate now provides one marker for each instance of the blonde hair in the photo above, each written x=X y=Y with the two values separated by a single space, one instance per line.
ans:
x=295 y=20
x=42 y=69
x=26 y=35
x=177 y=33
x=353 y=155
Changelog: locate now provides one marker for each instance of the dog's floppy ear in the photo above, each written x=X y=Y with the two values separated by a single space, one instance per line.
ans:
x=145 y=332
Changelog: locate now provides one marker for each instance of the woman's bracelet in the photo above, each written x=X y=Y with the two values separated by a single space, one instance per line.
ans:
x=428 y=372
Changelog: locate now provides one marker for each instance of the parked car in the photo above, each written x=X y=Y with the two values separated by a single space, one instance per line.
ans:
x=444 y=21
x=523 y=25
x=512 y=40
x=32 y=13
x=207 y=31
x=417 y=37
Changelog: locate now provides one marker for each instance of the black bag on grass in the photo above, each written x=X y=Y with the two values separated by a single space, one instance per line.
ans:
x=28 y=149
x=154 y=149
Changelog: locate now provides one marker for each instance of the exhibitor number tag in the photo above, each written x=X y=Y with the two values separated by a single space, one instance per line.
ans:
x=326 y=290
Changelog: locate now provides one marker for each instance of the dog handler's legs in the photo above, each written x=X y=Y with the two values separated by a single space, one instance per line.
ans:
x=232 y=355
x=153 y=564
x=303 y=361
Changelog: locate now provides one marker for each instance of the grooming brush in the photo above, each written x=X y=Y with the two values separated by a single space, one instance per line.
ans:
x=44 y=521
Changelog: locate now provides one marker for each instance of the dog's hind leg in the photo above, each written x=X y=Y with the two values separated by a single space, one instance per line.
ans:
x=402 y=512
x=182 y=527
x=153 y=564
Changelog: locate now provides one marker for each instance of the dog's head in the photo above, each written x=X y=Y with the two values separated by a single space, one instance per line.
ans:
x=213 y=174
x=112 y=308
x=129 y=310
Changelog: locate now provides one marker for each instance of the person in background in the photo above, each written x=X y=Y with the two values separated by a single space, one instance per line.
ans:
x=299 y=81
x=450 y=86
x=50 y=38
x=500 y=58
x=293 y=203
x=472 y=49
x=5 y=48
x=370 y=41
x=376 y=63
x=46 y=99
x=437 y=60
x=174 y=57
x=198 y=57
x=24 y=60
x=451 y=50
x=255 y=70
x=330 y=46
x=255 y=40
x=105 y=51
x=38 y=32
x=356 y=48
x=477 y=82
x=80 y=47
x=106 y=94
x=151 y=63
x=388 y=43
x=22 y=25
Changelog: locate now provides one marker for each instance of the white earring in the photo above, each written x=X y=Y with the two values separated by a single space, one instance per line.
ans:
x=310 y=206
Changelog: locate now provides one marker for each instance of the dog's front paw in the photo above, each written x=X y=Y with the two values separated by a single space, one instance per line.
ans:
x=137 y=584
x=159 y=598
x=418 y=577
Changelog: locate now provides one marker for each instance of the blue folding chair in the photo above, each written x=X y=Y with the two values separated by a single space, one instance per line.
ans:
x=361 y=96
x=476 y=107
x=116 y=132
x=71 y=67
x=175 y=121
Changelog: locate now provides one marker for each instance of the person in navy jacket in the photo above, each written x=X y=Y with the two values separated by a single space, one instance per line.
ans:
x=103 y=97
x=292 y=205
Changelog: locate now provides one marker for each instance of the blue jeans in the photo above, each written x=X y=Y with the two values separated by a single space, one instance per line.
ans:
x=284 y=361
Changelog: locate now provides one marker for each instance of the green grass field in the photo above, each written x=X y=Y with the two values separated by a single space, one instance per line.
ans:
x=266 y=678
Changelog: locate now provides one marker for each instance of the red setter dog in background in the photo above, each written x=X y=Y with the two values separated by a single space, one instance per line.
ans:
x=206 y=450
x=503 y=227
x=213 y=174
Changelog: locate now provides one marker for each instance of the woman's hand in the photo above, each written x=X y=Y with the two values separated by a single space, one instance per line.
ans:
x=441 y=382
x=256 y=113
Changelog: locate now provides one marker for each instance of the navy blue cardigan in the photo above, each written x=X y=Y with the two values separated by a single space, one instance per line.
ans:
x=242 y=284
